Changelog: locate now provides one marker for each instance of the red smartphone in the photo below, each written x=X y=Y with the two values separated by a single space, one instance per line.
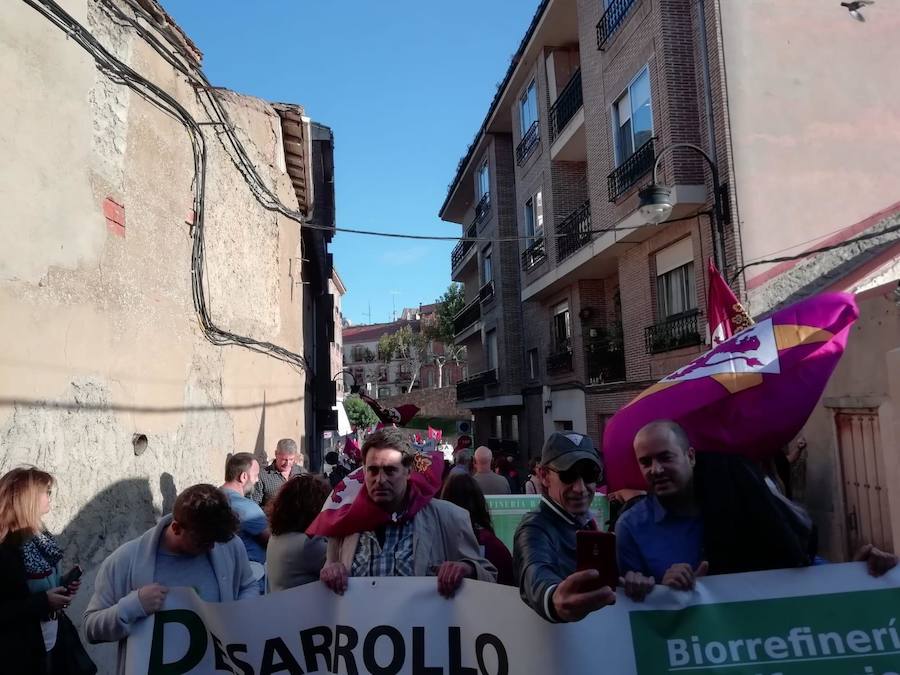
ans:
x=596 y=550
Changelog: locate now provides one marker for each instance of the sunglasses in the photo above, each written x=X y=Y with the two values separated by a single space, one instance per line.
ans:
x=589 y=473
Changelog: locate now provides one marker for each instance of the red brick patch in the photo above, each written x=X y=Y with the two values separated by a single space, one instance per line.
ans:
x=115 y=217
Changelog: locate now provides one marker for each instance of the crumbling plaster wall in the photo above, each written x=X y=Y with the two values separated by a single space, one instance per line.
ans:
x=100 y=339
x=865 y=377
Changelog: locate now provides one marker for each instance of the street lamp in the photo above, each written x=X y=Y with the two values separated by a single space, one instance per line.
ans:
x=354 y=388
x=656 y=200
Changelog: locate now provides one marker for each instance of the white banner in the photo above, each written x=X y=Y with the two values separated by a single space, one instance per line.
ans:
x=833 y=619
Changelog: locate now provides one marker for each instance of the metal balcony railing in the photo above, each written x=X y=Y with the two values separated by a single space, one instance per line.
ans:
x=566 y=105
x=612 y=18
x=463 y=247
x=482 y=208
x=534 y=254
x=682 y=330
x=629 y=172
x=469 y=315
x=528 y=142
x=473 y=388
x=486 y=292
x=604 y=360
x=559 y=361
x=574 y=231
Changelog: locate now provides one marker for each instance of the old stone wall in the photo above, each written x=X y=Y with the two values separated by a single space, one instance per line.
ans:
x=432 y=403
x=106 y=379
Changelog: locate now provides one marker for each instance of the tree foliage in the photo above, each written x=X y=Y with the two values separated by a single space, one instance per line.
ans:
x=449 y=305
x=387 y=347
x=411 y=350
x=359 y=413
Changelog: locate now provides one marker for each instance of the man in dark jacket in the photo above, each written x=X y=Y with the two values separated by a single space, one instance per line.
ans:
x=544 y=554
x=709 y=513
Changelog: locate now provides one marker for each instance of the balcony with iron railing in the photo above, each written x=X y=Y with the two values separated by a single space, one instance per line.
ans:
x=474 y=387
x=604 y=359
x=574 y=232
x=469 y=315
x=529 y=141
x=463 y=247
x=482 y=209
x=534 y=254
x=486 y=292
x=682 y=330
x=630 y=171
x=612 y=18
x=560 y=358
x=566 y=105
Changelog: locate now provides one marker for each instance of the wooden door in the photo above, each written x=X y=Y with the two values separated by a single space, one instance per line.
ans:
x=862 y=468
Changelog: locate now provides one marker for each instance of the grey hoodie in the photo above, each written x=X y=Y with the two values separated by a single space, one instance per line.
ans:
x=115 y=608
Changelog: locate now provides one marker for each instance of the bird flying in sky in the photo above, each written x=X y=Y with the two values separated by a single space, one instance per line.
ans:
x=855 y=6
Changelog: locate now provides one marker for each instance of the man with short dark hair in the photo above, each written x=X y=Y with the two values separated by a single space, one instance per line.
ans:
x=707 y=513
x=241 y=474
x=195 y=546
x=288 y=462
x=544 y=551
x=489 y=482
x=421 y=537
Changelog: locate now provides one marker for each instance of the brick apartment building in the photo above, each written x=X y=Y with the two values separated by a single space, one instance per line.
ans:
x=593 y=303
x=383 y=379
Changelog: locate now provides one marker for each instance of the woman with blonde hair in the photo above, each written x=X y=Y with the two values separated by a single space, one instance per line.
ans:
x=35 y=635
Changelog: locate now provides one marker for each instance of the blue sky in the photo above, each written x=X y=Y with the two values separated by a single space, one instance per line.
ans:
x=404 y=85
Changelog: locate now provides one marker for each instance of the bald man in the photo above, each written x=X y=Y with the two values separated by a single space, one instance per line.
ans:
x=709 y=513
x=489 y=482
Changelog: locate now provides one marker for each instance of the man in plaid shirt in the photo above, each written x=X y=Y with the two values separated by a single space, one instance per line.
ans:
x=287 y=464
x=434 y=539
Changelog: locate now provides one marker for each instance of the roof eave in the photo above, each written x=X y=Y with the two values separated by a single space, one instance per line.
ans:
x=466 y=160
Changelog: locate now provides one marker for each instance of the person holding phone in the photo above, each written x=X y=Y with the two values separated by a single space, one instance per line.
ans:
x=36 y=637
x=546 y=549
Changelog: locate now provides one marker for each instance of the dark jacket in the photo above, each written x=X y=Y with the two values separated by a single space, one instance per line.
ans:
x=21 y=613
x=746 y=526
x=497 y=553
x=543 y=555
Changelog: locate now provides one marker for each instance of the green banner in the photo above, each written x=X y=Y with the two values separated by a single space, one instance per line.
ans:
x=837 y=634
x=507 y=511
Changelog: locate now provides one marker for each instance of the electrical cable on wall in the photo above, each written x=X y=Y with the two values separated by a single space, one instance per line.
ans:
x=219 y=117
x=823 y=249
x=236 y=151
x=271 y=201
x=123 y=74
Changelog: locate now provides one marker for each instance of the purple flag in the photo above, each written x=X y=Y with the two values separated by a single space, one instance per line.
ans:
x=749 y=395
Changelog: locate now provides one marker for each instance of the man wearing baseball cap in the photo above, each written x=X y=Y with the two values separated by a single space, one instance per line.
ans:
x=544 y=553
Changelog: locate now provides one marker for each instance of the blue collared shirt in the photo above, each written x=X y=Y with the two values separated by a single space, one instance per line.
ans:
x=650 y=540
x=393 y=558
x=253 y=523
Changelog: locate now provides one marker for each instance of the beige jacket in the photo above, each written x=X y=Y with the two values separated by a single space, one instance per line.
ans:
x=443 y=531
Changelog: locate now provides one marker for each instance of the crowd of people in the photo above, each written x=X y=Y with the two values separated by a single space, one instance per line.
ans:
x=702 y=513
